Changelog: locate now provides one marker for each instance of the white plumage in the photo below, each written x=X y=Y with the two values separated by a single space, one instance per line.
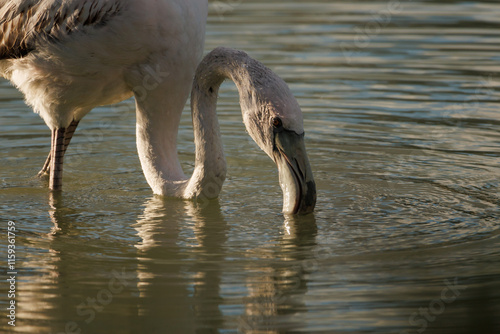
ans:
x=69 y=56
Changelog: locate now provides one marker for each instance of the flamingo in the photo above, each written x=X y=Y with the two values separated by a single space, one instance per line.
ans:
x=69 y=56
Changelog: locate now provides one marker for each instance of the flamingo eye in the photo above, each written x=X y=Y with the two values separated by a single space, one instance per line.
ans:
x=277 y=123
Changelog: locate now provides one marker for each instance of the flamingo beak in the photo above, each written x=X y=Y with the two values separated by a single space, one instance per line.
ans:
x=295 y=174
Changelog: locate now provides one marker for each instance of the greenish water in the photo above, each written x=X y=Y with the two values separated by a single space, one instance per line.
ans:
x=400 y=100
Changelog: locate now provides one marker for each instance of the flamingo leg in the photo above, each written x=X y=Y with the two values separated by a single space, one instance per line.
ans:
x=56 y=159
x=45 y=168
x=68 y=134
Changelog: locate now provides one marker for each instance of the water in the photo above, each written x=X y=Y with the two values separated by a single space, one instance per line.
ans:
x=401 y=103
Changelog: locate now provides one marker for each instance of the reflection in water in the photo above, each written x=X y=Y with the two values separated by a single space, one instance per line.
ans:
x=67 y=285
x=276 y=286
x=180 y=290
x=402 y=130
x=164 y=304
x=59 y=215
x=32 y=296
x=210 y=231
x=171 y=297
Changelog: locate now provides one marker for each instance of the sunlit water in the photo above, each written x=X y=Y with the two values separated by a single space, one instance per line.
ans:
x=401 y=108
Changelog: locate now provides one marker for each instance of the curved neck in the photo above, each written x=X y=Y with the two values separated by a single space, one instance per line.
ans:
x=157 y=146
x=210 y=165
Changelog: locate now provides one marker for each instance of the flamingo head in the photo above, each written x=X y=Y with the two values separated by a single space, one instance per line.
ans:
x=273 y=118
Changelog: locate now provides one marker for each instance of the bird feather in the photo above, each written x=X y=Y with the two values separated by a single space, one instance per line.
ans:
x=25 y=23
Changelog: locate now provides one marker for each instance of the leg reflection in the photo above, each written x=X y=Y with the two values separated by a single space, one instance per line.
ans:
x=179 y=266
x=210 y=231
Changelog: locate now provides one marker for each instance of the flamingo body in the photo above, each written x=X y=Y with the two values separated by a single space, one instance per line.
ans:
x=69 y=56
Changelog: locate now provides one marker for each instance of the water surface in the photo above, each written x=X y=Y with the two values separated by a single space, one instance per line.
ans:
x=400 y=100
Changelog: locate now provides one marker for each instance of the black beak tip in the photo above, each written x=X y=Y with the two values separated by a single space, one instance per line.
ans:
x=308 y=201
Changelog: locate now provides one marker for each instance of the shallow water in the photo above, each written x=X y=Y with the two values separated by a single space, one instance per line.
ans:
x=400 y=101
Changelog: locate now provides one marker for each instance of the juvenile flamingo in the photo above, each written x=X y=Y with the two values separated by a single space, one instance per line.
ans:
x=69 y=56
